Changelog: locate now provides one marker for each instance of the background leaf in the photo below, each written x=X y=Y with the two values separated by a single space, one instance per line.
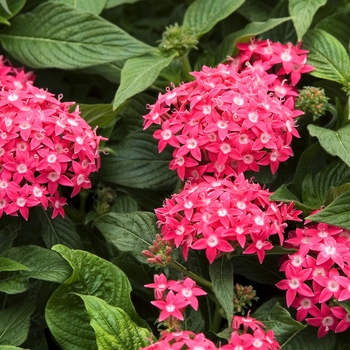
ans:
x=61 y=36
x=100 y=115
x=11 y=265
x=113 y=326
x=327 y=55
x=221 y=275
x=137 y=164
x=202 y=15
x=94 y=6
x=302 y=13
x=129 y=232
x=138 y=74
x=113 y=3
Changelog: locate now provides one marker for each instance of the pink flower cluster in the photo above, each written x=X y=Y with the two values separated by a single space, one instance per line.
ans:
x=235 y=117
x=248 y=334
x=217 y=215
x=172 y=297
x=42 y=145
x=318 y=276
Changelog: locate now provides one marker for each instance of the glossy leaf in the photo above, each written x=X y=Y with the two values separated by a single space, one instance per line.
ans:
x=138 y=74
x=94 y=6
x=41 y=263
x=129 y=232
x=202 y=15
x=61 y=36
x=15 y=322
x=58 y=230
x=221 y=274
x=302 y=13
x=327 y=55
x=137 y=164
x=113 y=327
x=65 y=313
x=336 y=143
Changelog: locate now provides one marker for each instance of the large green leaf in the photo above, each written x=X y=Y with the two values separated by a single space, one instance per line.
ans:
x=61 y=36
x=58 y=230
x=228 y=45
x=327 y=55
x=138 y=74
x=41 y=263
x=65 y=313
x=111 y=70
x=99 y=115
x=129 y=232
x=11 y=265
x=337 y=25
x=94 y=6
x=137 y=164
x=113 y=326
x=15 y=322
x=255 y=10
x=336 y=143
x=337 y=213
x=113 y=3
x=11 y=9
x=302 y=13
x=202 y=15
x=277 y=318
x=221 y=275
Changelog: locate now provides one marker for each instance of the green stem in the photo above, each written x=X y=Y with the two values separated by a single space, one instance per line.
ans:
x=216 y=319
x=186 y=66
x=200 y=280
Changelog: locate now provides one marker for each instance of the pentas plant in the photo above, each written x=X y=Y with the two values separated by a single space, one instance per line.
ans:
x=222 y=215
x=318 y=276
x=234 y=117
x=43 y=145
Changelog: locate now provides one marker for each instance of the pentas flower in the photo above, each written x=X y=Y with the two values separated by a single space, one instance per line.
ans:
x=221 y=215
x=43 y=145
x=318 y=275
x=235 y=117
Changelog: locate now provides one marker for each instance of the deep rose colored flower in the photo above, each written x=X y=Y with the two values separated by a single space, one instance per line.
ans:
x=42 y=146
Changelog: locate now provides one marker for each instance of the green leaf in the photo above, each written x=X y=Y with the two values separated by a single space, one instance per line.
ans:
x=337 y=25
x=337 y=213
x=129 y=232
x=11 y=9
x=202 y=15
x=302 y=13
x=58 y=230
x=65 y=313
x=125 y=204
x=138 y=74
x=99 y=115
x=4 y=5
x=61 y=36
x=11 y=347
x=228 y=46
x=114 y=3
x=41 y=263
x=113 y=326
x=336 y=143
x=7 y=235
x=327 y=55
x=277 y=318
x=11 y=265
x=221 y=275
x=137 y=164
x=94 y=6
x=249 y=267
x=110 y=71
x=255 y=10
x=15 y=322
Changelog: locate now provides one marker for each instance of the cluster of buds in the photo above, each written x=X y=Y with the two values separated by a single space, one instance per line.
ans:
x=42 y=145
x=159 y=252
x=243 y=297
x=312 y=100
x=318 y=276
x=218 y=215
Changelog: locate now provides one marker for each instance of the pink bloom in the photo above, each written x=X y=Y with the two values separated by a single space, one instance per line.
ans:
x=324 y=319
